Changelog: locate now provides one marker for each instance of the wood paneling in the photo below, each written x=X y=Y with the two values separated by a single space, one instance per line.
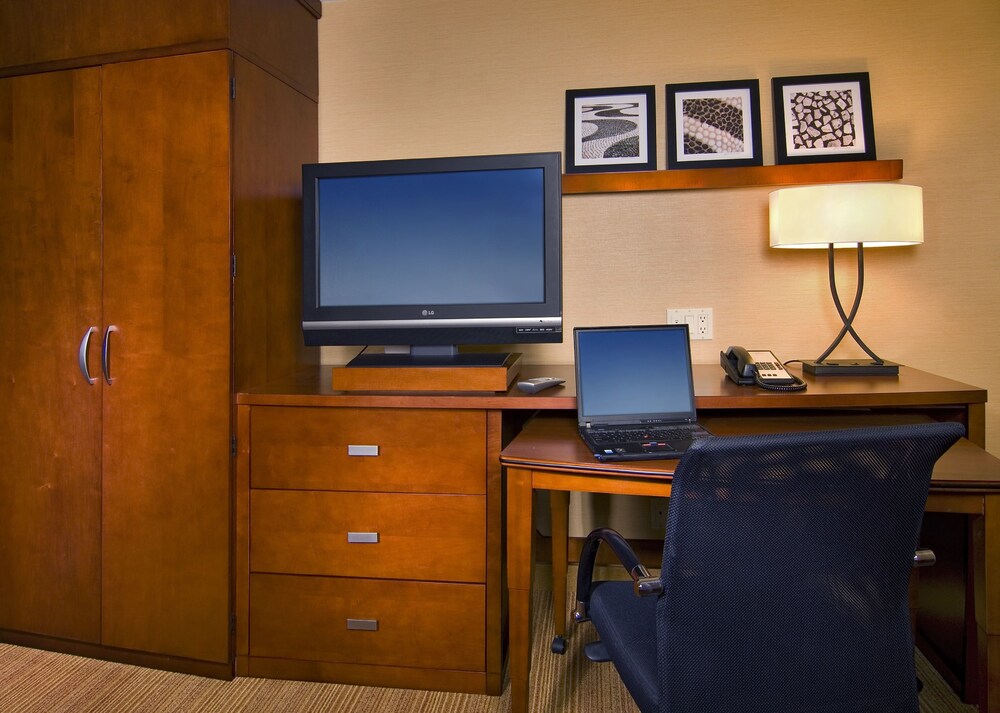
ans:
x=167 y=412
x=273 y=135
x=50 y=293
x=278 y=35
x=70 y=30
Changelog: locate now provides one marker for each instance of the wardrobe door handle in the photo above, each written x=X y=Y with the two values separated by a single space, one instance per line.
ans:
x=82 y=356
x=106 y=353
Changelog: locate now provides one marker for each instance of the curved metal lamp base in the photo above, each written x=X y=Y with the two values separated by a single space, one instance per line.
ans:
x=876 y=366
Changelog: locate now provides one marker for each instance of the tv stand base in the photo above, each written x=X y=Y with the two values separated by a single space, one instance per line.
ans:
x=399 y=372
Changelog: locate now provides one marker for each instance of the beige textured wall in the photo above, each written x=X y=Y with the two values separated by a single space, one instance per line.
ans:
x=403 y=78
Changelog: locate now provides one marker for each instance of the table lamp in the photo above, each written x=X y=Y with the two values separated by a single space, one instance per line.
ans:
x=847 y=215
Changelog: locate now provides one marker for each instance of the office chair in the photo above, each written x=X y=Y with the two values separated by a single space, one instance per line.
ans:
x=784 y=581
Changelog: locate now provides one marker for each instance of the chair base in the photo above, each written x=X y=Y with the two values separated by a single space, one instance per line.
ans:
x=597 y=652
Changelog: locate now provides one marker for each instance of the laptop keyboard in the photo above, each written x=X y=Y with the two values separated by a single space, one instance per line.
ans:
x=642 y=434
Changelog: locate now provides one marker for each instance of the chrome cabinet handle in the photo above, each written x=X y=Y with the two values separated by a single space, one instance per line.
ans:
x=106 y=353
x=362 y=538
x=362 y=450
x=82 y=356
x=362 y=624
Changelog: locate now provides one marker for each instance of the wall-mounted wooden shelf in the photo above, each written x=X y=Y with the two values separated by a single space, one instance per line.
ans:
x=692 y=178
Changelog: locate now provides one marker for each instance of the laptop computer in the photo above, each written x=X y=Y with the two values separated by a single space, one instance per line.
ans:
x=635 y=391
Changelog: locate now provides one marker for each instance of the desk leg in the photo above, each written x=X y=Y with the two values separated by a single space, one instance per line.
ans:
x=520 y=563
x=986 y=556
x=559 y=506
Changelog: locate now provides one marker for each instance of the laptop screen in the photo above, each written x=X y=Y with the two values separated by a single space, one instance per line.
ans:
x=633 y=374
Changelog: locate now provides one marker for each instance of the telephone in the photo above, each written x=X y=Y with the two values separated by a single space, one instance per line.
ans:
x=758 y=367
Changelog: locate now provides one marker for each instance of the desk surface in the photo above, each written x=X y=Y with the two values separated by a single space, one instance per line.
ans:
x=551 y=442
x=712 y=390
x=912 y=389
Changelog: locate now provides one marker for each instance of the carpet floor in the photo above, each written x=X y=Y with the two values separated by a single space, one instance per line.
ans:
x=33 y=681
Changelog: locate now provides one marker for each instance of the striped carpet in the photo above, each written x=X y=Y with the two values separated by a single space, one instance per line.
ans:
x=38 y=681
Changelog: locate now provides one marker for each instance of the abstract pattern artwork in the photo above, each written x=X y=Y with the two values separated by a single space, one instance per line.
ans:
x=610 y=129
x=823 y=118
x=713 y=124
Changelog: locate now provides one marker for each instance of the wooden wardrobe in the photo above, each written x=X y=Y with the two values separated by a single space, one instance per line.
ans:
x=150 y=180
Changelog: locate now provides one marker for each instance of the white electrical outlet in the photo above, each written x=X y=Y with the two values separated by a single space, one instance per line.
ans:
x=698 y=320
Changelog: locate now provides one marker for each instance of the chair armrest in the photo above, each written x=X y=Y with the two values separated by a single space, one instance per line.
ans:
x=923 y=557
x=643 y=584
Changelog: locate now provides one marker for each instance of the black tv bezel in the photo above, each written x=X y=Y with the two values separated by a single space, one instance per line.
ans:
x=450 y=325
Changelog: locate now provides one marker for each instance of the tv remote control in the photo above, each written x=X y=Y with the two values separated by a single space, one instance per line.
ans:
x=533 y=386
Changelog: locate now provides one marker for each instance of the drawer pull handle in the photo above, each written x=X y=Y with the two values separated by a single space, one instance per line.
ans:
x=362 y=450
x=362 y=624
x=363 y=538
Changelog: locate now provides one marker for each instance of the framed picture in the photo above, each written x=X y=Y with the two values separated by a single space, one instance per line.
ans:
x=610 y=129
x=714 y=124
x=823 y=118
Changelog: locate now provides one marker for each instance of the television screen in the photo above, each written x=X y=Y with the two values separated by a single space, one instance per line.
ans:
x=461 y=237
x=427 y=254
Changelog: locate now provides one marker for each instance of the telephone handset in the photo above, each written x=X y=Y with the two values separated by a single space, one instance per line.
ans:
x=758 y=367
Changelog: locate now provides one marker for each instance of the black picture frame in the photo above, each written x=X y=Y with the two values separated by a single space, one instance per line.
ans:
x=611 y=129
x=823 y=117
x=714 y=124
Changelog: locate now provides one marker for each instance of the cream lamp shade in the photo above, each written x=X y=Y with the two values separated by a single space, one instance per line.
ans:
x=846 y=214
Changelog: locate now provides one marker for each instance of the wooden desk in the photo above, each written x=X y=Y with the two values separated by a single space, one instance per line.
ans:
x=291 y=437
x=548 y=455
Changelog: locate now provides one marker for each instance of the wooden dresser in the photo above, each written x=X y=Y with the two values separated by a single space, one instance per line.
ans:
x=369 y=543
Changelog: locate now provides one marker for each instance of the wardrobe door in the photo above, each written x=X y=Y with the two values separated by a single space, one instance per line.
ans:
x=50 y=415
x=167 y=303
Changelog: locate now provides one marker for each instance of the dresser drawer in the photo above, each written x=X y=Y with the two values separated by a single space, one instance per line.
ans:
x=387 y=623
x=388 y=450
x=384 y=535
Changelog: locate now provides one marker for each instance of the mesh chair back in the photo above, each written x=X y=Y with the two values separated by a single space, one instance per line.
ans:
x=785 y=570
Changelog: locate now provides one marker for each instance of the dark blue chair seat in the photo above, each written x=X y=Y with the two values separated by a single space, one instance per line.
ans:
x=784 y=580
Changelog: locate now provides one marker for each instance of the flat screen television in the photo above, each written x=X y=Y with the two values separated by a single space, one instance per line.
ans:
x=420 y=256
